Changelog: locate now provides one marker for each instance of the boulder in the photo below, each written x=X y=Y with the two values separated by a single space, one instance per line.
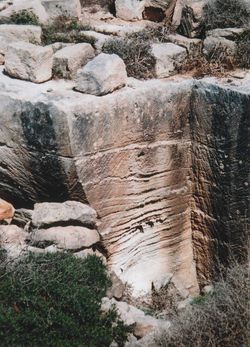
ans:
x=98 y=38
x=12 y=234
x=118 y=287
x=60 y=45
x=68 y=60
x=33 y=6
x=56 y=8
x=219 y=47
x=143 y=324
x=86 y=252
x=102 y=75
x=193 y=46
x=168 y=57
x=68 y=238
x=129 y=9
x=70 y=212
x=22 y=217
x=227 y=33
x=6 y=211
x=29 y=62
x=10 y=33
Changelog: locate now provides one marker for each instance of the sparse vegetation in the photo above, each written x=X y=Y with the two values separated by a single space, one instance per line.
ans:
x=243 y=49
x=65 y=29
x=219 y=319
x=24 y=17
x=54 y=300
x=226 y=14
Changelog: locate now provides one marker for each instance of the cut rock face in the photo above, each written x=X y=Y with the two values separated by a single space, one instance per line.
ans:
x=102 y=75
x=29 y=62
x=168 y=56
x=49 y=214
x=68 y=60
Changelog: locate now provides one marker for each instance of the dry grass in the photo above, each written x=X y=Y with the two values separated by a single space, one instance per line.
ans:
x=219 y=319
x=227 y=14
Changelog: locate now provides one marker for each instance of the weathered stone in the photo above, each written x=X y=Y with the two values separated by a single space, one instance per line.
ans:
x=6 y=210
x=192 y=17
x=22 y=217
x=10 y=33
x=60 y=45
x=69 y=238
x=12 y=234
x=70 y=212
x=68 y=60
x=86 y=252
x=29 y=62
x=129 y=9
x=102 y=75
x=131 y=315
x=33 y=6
x=227 y=33
x=56 y=8
x=99 y=39
x=193 y=46
x=145 y=158
x=168 y=57
x=117 y=289
x=216 y=46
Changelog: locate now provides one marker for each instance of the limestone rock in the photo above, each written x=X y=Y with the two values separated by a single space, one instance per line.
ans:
x=144 y=324
x=33 y=6
x=102 y=75
x=29 y=62
x=56 y=8
x=68 y=238
x=10 y=33
x=193 y=46
x=22 y=217
x=168 y=57
x=219 y=45
x=70 y=212
x=227 y=33
x=12 y=234
x=7 y=210
x=129 y=9
x=68 y=60
x=118 y=287
x=86 y=252
x=60 y=45
x=100 y=39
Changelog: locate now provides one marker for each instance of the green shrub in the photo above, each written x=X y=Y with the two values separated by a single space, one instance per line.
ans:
x=65 y=29
x=226 y=14
x=243 y=49
x=24 y=17
x=54 y=300
x=219 y=319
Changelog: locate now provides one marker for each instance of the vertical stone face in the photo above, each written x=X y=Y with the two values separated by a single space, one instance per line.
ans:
x=219 y=123
x=133 y=155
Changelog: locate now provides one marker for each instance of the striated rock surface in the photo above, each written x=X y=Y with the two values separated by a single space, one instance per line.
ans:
x=164 y=164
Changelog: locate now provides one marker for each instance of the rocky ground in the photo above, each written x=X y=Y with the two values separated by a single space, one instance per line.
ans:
x=158 y=154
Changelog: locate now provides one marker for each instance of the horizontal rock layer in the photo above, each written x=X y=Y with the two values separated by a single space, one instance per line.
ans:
x=147 y=158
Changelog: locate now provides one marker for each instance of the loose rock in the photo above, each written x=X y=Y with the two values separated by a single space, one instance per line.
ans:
x=29 y=62
x=102 y=75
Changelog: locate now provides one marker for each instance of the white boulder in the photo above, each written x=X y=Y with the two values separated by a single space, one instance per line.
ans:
x=102 y=75
x=129 y=9
x=16 y=32
x=51 y=213
x=168 y=57
x=69 y=238
x=219 y=46
x=56 y=8
x=29 y=62
x=68 y=60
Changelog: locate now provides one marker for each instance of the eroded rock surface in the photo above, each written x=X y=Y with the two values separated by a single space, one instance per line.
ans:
x=155 y=160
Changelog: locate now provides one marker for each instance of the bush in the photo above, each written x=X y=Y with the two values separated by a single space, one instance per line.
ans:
x=65 y=29
x=226 y=14
x=54 y=300
x=135 y=53
x=219 y=319
x=24 y=17
x=243 y=49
